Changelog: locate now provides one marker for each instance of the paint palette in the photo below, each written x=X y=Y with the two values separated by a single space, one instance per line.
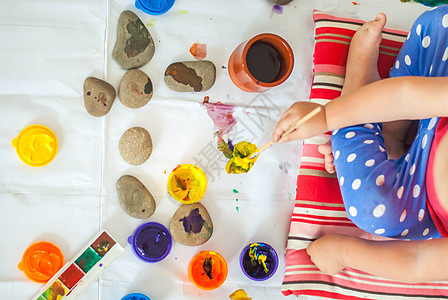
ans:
x=86 y=267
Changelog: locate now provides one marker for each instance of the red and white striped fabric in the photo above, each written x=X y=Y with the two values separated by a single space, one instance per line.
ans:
x=318 y=208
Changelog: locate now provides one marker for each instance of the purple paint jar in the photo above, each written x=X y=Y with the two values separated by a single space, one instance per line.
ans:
x=259 y=261
x=151 y=242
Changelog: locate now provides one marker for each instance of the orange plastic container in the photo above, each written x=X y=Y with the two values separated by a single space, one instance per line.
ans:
x=208 y=270
x=238 y=66
x=41 y=261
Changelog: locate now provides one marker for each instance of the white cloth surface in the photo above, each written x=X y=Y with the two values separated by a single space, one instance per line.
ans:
x=48 y=48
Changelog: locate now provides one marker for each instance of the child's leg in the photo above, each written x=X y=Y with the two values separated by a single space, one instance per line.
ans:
x=382 y=196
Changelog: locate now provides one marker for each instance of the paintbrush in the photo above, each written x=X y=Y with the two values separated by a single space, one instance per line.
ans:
x=289 y=130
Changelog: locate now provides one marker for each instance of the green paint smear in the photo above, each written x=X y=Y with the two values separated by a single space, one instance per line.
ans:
x=139 y=39
x=235 y=191
x=148 y=88
x=181 y=12
x=427 y=2
x=152 y=22
x=237 y=209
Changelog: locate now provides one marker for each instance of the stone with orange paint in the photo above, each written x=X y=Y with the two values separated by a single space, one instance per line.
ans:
x=190 y=76
x=99 y=96
x=135 y=89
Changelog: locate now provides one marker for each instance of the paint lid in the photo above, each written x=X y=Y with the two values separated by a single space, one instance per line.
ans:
x=36 y=145
x=151 y=242
x=154 y=7
x=187 y=183
x=41 y=261
x=259 y=261
x=208 y=270
x=135 y=296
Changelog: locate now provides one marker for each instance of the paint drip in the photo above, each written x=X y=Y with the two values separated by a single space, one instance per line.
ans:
x=277 y=9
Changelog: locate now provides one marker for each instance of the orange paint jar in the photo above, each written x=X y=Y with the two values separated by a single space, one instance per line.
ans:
x=261 y=63
x=208 y=270
x=41 y=261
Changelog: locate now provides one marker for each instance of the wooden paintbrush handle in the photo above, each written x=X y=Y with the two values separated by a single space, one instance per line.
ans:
x=292 y=127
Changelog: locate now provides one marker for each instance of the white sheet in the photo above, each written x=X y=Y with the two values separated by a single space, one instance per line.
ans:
x=48 y=48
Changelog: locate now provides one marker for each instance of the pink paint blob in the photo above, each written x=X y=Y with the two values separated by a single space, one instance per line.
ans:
x=222 y=116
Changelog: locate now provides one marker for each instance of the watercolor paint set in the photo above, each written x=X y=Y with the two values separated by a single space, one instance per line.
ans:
x=86 y=267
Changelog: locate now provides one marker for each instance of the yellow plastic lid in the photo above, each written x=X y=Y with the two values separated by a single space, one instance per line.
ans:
x=36 y=145
x=187 y=183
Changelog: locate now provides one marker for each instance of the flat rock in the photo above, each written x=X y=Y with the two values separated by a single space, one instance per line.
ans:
x=134 y=197
x=135 y=145
x=135 y=89
x=191 y=225
x=190 y=76
x=134 y=46
x=281 y=2
x=99 y=96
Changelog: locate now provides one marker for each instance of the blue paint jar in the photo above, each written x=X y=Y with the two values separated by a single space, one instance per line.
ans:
x=135 y=296
x=154 y=7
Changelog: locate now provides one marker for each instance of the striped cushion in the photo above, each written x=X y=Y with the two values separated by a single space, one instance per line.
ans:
x=318 y=208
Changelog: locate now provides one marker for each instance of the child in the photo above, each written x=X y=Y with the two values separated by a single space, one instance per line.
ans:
x=386 y=191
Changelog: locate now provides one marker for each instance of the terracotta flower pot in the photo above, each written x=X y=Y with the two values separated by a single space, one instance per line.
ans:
x=261 y=63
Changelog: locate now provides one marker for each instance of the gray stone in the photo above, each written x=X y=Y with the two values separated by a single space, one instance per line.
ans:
x=281 y=2
x=190 y=76
x=191 y=225
x=99 y=96
x=134 y=46
x=134 y=197
x=135 y=145
x=135 y=89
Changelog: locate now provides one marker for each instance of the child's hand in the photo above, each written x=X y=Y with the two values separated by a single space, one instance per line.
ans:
x=315 y=126
x=325 y=149
x=326 y=253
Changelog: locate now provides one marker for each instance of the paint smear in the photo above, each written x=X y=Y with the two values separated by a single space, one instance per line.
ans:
x=222 y=116
x=239 y=295
x=181 y=12
x=152 y=22
x=355 y=3
x=241 y=161
x=199 y=51
x=236 y=192
x=277 y=9
x=208 y=267
x=193 y=222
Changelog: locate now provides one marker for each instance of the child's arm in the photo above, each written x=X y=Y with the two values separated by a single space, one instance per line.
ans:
x=405 y=261
x=401 y=98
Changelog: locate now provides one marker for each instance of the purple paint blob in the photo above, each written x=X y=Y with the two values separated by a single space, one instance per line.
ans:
x=193 y=222
x=222 y=116
x=277 y=9
x=151 y=242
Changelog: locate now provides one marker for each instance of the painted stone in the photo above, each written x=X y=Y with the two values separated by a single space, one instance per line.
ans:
x=191 y=225
x=281 y=2
x=135 y=89
x=99 y=96
x=134 y=46
x=135 y=145
x=190 y=76
x=134 y=197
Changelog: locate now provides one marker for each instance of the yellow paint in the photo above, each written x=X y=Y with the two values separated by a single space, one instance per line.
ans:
x=152 y=22
x=241 y=161
x=181 y=12
x=239 y=295
x=36 y=145
x=187 y=183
